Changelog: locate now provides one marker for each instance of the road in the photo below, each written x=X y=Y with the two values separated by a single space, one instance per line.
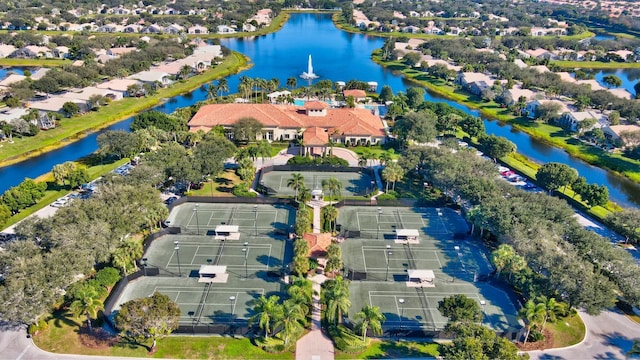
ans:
x=609 y=336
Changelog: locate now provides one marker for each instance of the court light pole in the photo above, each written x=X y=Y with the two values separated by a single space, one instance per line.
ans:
x=401 y=301
x=177 y=250
x=388 y=253
x=255 y=218
x=195 y=209
x=457 y=249
x=483 y=303
x=245 y=250
x=232 y=300
x=379 y=214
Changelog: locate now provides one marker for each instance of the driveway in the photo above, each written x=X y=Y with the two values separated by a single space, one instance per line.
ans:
x=609 y=336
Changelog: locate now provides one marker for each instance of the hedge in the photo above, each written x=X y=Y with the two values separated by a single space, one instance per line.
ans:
x=345 y=340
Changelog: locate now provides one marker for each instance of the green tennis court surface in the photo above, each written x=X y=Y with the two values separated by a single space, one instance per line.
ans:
x=353 y=183
x=253 y=263
x=378 y=265
x=202 y=218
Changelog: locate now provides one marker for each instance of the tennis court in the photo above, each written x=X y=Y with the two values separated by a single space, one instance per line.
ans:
x=202 y=218
x=353 y=183
x=252 y=264
x=379 y=266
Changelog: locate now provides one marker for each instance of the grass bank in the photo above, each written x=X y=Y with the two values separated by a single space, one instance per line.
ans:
x=34 y=62
x=550 y=134
x=594 y=64
x=62 y=337
x=386 y=349
x=72 y=129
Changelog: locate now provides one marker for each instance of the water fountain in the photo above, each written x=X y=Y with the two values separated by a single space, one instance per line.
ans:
x=308 y=75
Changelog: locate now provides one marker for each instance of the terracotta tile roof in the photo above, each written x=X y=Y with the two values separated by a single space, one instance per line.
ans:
x=315 y=136
x=316 y=105
x=355 y=93
x=318 y=243
x=345 y=121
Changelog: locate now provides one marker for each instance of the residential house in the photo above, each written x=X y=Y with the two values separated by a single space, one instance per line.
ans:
x=593 y=83
x=411 y=29
x=513 y=95
x=621 y=93
x=540 y=68
x=616 y=134
x=118 y=85
x=540 y=54
x=531 y=108
x=119 y=51
x=39 y=74
x=11 y=79
x=173 y=29
x=152 y=77
x=61 y=52
x=278 y=96
x=198 y=29
x=152 y=29
x=55 y=104
x=519 y=63
x=284 y=122
x=224 y=29
x=474 y=82
x=108 y=28
x=8 y=115
x=246 y=27
x=87 y=93
x=132 y=28
x=6 y=50
x=570 y=120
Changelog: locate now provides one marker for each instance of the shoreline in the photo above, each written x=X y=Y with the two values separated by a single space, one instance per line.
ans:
x=512 y=121
x=190 y=85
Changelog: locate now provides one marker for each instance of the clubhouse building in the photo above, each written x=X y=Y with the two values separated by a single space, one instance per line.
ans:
x=315 y=123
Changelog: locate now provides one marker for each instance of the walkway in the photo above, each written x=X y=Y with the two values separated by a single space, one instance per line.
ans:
x=315 y=345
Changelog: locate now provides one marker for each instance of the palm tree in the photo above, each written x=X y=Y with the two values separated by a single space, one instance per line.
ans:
x=392 y=172
x=370 y=317
x=212 y=91
x=304 y=195
x=333 y=186
x=86 y=302
x=385 y=158
x=533 y=313
x=296 y=182
x=363 y=160
x=330 y=214
x=264 y=150
x=291 y=321
x=292 y=83
x=335 y=296
x=301 y=292
x=223 y=85
x=553 y=309
x=266 y=311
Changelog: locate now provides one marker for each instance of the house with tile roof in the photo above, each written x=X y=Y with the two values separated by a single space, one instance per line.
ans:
x=315 y=123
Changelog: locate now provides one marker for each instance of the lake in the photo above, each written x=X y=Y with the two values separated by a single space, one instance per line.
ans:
x=337 y=56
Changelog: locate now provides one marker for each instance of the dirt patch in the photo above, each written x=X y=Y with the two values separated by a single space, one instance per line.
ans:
x=98 y=339
x=546 y=343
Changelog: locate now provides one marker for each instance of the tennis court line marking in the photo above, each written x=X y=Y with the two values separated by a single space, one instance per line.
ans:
x=194 y=255
x=280 y=183
x=364 y=260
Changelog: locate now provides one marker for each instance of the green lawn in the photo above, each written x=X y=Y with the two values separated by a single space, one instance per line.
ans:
x=34 y=62
x=374 y=150
x=79 y=126
x=387 y=349
x=568 y=331
x=222 y=185
x=594 y=64
x=62 y=337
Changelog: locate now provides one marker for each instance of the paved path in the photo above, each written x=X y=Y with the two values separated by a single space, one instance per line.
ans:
x=609 y=336
x=315 y=345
